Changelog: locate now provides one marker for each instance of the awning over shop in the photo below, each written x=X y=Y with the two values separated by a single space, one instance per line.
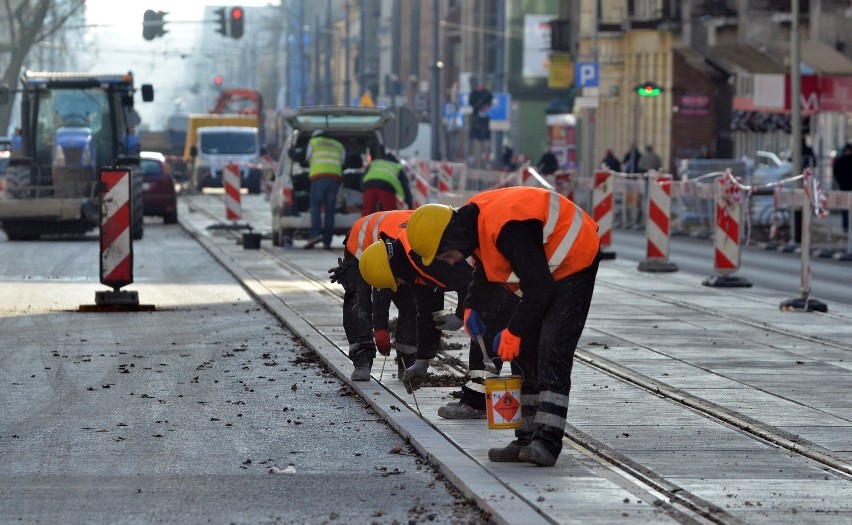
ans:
x=741 y=58
x=824 y=59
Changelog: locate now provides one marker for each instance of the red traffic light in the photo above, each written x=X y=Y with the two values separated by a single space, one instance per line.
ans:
x=237 y=18
x=217 y=80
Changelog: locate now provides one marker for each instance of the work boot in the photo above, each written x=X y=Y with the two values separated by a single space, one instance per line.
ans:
x=536 y=453
x=460 y=411
x=363 y=363
x=508 y=454
x=523 y=434
x=313 y=241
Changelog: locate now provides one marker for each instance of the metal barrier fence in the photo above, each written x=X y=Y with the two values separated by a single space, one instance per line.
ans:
x=767 y=209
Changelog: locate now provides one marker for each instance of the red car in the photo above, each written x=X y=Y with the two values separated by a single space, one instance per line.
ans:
x=159 y=195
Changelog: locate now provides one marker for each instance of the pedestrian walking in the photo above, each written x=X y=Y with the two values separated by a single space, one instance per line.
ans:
x=325 y=156
x=841 y=169
x=631 y=160
x=385 y=185
x=611 y=161
x=416 y=294
x=649 y=160
x=548 y=164
x=539 y=243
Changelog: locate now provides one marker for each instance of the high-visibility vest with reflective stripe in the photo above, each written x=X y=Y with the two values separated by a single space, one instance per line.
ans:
x=424 y=278
x=326 y=156
x=366 y=230
x=387 y=171
x=571 y=240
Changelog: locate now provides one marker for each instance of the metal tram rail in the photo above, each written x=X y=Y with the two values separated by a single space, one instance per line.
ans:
x=643 y=482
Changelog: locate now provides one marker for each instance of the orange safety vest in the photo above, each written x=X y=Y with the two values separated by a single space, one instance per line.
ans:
x=366 y=230
x=424 y=278
x=571 y=240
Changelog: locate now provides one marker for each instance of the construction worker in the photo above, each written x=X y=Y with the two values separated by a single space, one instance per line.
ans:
x=416 y=295
x=539 y=243
x=382 y=266
x=325 y=156
x=384 y=185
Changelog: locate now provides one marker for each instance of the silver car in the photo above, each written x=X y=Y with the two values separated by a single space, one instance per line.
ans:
x=360 y=131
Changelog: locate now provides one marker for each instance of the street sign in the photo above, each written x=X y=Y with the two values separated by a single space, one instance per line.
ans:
x=586 y=74
x=585 y=102
x=499 y=110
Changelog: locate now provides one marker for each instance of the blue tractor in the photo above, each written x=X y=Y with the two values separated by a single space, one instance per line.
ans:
x=71 y=125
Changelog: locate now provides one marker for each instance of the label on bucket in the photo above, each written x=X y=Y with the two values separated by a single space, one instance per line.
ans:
x=502 y=397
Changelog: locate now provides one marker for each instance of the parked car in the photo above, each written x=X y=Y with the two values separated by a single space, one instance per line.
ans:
x=768 y=169
x=158 y=195
x=360 y=131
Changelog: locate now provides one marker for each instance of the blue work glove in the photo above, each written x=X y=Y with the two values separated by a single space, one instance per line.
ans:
x=446 y=320
x=472 y=324
x=415 y=375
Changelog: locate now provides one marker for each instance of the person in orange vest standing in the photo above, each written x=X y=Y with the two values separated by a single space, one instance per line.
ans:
x=375 y=256
x=544 y=247
x=385 y=184
x=325 y=157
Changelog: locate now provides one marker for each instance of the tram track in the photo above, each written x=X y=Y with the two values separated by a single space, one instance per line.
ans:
x=679 y=503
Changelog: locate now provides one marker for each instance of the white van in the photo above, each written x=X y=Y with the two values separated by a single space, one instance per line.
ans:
x=360 y=131
x=216 y=146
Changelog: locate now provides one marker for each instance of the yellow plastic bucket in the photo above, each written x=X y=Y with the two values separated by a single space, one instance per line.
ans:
x=503 y=401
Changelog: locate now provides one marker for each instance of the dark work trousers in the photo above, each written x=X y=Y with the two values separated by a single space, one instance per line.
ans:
x=405 y=332
x=546 y=364
x=357 y=309
x=495 y=316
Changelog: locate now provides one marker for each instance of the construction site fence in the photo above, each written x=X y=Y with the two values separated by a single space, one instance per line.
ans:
x=767 y=209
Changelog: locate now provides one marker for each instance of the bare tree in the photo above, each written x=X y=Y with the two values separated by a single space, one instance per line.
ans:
x=26 y=24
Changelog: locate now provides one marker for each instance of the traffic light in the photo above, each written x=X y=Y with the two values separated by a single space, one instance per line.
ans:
x=153 y=24
x=237 y=17
x=648 y=89
x=222 y=21
x=217 y=80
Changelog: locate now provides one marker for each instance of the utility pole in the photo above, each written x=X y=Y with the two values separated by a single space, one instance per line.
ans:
x=347 y=88
x=435 y=114
x=796 y=116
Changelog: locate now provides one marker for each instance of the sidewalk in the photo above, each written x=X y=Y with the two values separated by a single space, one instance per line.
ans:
x=784 y=376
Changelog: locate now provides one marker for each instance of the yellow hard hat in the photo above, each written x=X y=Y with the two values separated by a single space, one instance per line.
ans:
x=375 y=267
x=426 y=227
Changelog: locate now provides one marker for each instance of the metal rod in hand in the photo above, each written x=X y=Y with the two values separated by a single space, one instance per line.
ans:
x=382 y=371
x=490 y=367
x=415 y=399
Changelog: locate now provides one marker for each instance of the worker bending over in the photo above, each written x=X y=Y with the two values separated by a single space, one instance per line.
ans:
x=415 y=293
x=544 y=247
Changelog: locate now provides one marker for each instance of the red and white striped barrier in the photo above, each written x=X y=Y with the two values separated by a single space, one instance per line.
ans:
x=231 y=181
x=116 y=239
x=726 y=239
x=602 y=209
x=657 y=225
x=420 y=191
x=445 y=178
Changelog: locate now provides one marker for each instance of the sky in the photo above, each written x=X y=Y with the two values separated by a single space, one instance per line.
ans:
x=115 y=45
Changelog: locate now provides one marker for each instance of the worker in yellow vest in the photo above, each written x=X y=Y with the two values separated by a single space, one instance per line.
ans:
x=325 y=156
x=385 y=185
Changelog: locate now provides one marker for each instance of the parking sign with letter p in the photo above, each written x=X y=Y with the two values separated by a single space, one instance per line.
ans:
x=586 y=74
